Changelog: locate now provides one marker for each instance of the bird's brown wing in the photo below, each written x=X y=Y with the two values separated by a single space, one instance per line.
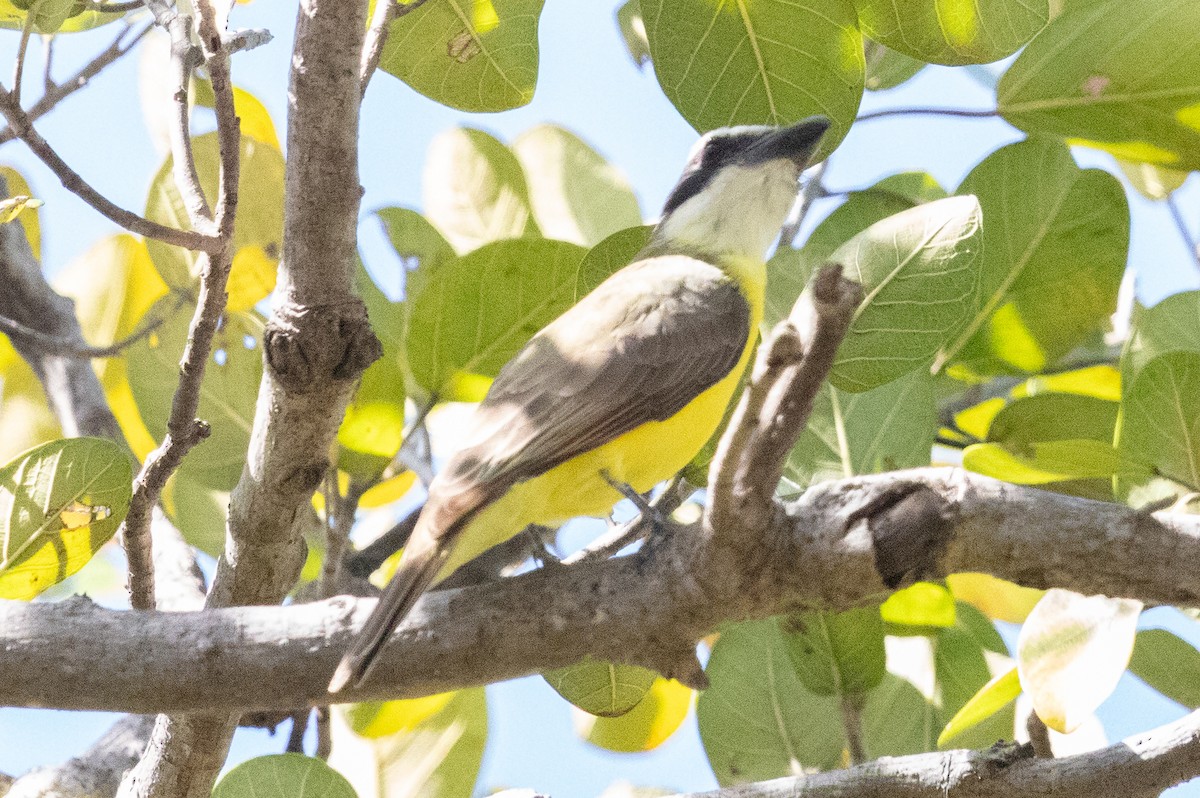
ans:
x=638 y=348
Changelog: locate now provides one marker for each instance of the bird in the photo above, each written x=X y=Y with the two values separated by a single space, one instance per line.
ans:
x=623 y=389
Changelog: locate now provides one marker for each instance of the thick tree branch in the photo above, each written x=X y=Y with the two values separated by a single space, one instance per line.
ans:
x=316 y=345
x=835 y=548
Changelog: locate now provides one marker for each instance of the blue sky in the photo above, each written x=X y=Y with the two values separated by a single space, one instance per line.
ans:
x=590 y=85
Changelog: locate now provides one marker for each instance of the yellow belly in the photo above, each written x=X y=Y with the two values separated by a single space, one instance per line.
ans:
x=641 y=458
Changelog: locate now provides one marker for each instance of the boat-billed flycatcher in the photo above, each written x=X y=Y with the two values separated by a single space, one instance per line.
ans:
x=626 y=386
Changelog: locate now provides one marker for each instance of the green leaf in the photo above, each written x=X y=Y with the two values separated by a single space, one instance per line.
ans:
x=757 y=721
x=963 y=657
x=473 y=189
x=789 y=270
x=923 y=605
x=645 y=727
x=1160 y=419
x=476 y=312
x=1043 y=462
x=887 y=68
x=610 y=256
x=1071 y=651
x=473 y=55
x=199 y=513
x=991 y=698
x=228 y=393
x=601 y=688
x=1152 y=182
x=59 y=503
x=283 y=776
x=898 y=719
x=836 y=654
x=1168 y=664
x=1173 y=325
x=633 y=31
x=740 y=62
x=576 y=195
x=1054 y=250
x=417 y=243
x=257 y=235
x=954 y=32
x=920 y=271
x=372 y=430
x=1054 y=417
x=439 y=756
x=1099 y=75
x=849 y=434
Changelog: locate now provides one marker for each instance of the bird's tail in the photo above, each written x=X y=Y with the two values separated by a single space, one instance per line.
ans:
x=416 y=573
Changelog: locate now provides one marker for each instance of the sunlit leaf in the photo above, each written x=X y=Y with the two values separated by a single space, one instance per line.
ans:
x=601 y=688
x=1152 y=182
x=474 y=191
x=25 y=417
x=576 y=195
x=994 y=696
x=645 y=727
x=1173 y=325
x=1085 y=78
x=1071 y=651
x=283 y=776
x=920 y=273
x=439 y=756
x=31 y=220
x=259 y=215
x=1054 y=250
x=633 y=31
x=375 y=719
x=924 y=604
x=738 y=62
x=955 y=32
x=476 y=312
x=115 y=286
x=59 y=503
x=228 y=393
x=1043 y=462
x=995 y=598
x=473 y=55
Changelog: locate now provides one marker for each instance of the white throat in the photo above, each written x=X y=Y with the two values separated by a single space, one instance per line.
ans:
x=738 y=213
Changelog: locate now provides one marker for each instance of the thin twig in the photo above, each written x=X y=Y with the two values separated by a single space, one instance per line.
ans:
x=184 y=430
x=22 y=49
x=386 y=12
x=184 y=58
x=1181 y=224
x=295 y=743
x=635 y=529
x=56 y=92
x=774 y=409
x=366 y=560
x=962 y=112
x=68 y=347
x=48 y=66
x=22 y=127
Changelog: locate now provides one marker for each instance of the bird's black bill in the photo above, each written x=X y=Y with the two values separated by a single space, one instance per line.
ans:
x=796 y=142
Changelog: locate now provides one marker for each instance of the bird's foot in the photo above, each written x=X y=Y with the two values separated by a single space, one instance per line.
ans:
x=647 y=511
x=539 y=549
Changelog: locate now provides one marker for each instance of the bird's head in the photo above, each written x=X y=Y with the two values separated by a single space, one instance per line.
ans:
x=737 y=188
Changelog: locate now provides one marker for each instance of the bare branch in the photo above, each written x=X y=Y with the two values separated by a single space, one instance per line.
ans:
x=22 y=127
x=962 y=112
x=57 y=92
x=69 y=347
x=22 y=49
x=97 y=771
x=773 y=411
x=829 y=551
x=184 y=58
x=813 y=190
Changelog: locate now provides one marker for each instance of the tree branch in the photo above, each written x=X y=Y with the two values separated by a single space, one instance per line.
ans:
x=57 y=92
x=835 y=548
x=962 y=112
x=66 y=346
x=316 y=345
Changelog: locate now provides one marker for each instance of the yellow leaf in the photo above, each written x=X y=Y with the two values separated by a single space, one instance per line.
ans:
x=996 y=598
x=11 y=207
x=256 y=122
x=18 y=186
x=388 y=491
x=25 y=417
x=383 y=718
x=252 y=277
x=991 y=698
x=975 y=420
x=643 y=728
